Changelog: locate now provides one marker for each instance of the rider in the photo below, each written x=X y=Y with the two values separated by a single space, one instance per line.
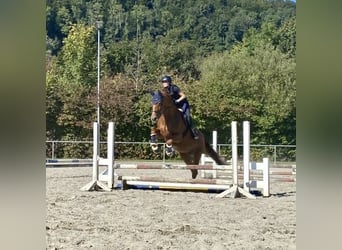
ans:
x=180 y=101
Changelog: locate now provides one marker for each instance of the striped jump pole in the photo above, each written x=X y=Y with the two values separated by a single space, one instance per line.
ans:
x=175 y=180
x=180 y=167
x=210 y=188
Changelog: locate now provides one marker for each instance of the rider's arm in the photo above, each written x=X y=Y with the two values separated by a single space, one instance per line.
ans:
x=182 y=96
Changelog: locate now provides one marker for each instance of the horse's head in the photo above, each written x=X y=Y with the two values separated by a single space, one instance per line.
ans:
x=161 y=101
x=157 y=100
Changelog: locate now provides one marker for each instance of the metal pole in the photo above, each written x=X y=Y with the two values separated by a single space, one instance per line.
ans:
x=99 y=26
x=98 y=73
x=53 y=150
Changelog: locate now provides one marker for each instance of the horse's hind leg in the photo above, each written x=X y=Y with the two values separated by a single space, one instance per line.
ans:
x=196 y=161
x=189 y=159
x=194 y=173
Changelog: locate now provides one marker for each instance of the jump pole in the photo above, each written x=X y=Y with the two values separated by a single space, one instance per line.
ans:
x=174 y=180
x=179 y=167
x=95 y=184
x=235 y=191
x=136 y=184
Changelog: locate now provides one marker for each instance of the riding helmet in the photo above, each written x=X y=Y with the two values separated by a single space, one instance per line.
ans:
x=166 y=79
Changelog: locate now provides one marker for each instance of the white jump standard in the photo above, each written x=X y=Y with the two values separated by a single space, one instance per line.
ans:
x=235 y=190
x=96 y=184
x=163 y=183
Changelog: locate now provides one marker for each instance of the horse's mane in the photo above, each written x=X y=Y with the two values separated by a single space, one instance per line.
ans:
x=162 y=95
x=167 y=97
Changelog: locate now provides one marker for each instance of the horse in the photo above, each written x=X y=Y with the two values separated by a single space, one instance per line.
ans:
x=170 y=125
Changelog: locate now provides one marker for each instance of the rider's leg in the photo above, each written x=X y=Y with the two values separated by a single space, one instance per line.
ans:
x=190 y=123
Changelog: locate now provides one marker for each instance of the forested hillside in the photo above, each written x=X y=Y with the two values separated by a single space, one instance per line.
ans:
x=234 y=59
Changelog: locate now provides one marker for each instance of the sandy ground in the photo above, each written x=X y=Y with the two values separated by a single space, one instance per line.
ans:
x=138 y=219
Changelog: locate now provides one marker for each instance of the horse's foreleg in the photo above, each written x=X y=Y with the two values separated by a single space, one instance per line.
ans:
x=153 y=141
x=169 y=150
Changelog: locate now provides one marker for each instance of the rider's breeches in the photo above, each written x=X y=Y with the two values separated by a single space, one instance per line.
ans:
x=186 y=112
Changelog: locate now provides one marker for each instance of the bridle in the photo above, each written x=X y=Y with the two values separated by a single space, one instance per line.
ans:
x=155 y=111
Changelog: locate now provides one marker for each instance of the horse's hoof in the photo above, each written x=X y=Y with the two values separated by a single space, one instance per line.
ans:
x=155 y=148
x=170 y=153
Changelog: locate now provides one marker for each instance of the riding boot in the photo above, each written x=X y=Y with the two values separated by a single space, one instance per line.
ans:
x=193 y=130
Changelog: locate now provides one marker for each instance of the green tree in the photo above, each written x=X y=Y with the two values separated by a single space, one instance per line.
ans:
x=258 y=86
x=54 y=103
x=114 y=22
x=287 y=37
x=71 y=82
x=118 y=55
x=78 y=56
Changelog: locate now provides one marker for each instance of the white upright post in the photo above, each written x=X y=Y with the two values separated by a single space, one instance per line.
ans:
x=234 y=153
x=266 y=176
x=96 y=139
x=110 y=154
x=215 y=143
x=246 y=154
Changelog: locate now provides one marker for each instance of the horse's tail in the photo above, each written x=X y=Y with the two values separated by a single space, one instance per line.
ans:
x=211 y=152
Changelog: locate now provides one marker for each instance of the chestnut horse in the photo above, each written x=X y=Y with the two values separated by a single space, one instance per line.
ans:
x=170 y=126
